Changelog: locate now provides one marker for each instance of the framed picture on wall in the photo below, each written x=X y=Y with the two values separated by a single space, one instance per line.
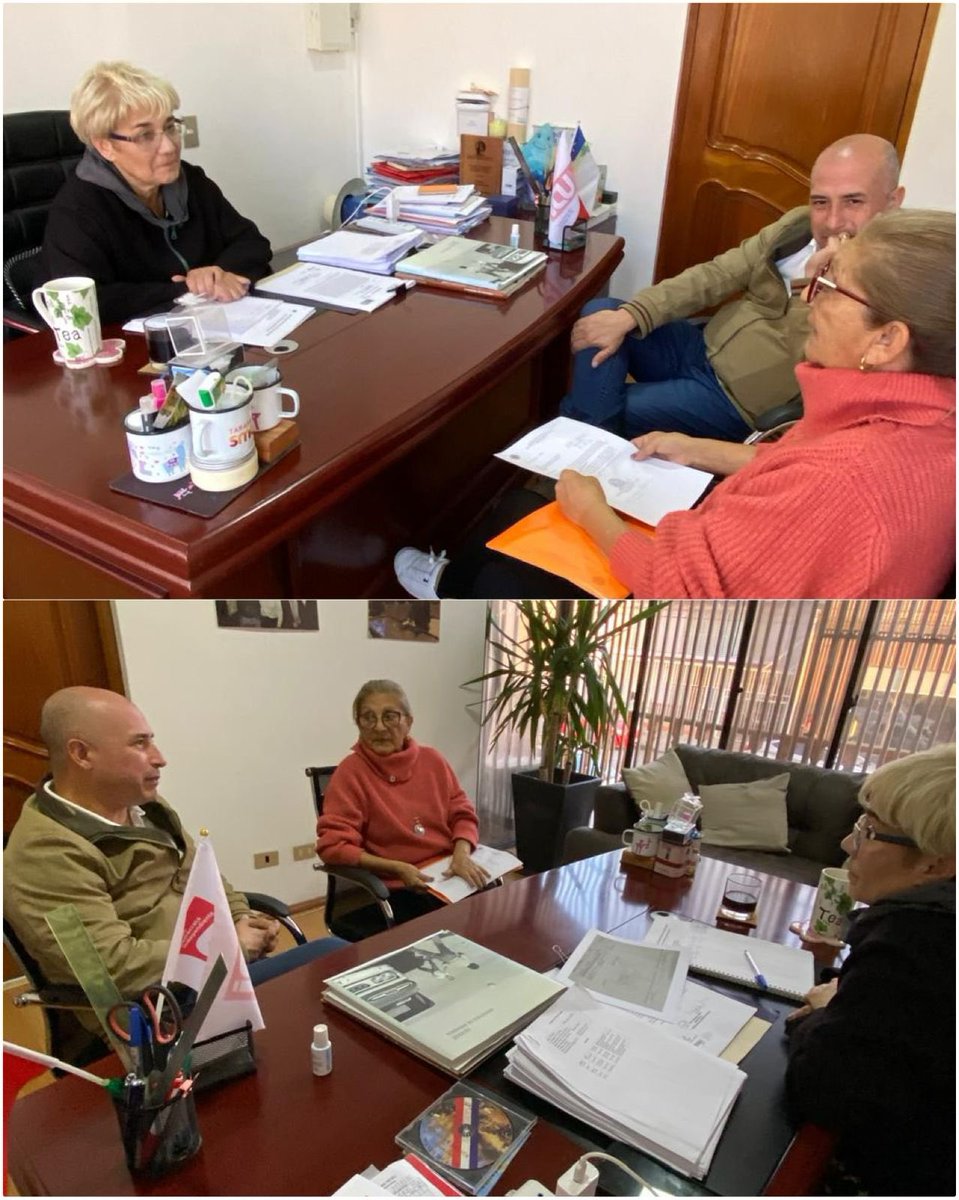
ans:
x=405 y=620
x=285 y=615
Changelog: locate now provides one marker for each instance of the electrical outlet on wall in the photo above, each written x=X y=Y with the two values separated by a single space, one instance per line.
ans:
x=301 y=853
x=191 y=133
x=266 y=858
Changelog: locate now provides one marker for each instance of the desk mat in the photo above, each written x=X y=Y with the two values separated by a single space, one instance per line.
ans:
x=182 y=494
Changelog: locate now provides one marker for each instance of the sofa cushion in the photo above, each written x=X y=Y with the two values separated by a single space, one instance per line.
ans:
x=660 y=783
x=747 y=816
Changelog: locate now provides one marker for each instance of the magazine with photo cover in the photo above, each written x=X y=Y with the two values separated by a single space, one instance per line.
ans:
x=468 y=1136
x=444 y=998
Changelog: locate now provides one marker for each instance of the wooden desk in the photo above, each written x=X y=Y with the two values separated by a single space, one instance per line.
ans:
x=284 y=1132
x=401 y=411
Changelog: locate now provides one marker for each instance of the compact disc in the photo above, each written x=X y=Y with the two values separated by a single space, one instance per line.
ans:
x=465 y=1132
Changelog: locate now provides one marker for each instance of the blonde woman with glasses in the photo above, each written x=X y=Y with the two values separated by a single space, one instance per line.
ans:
x=393 y=805
x=143 y=224
x=872 y=1052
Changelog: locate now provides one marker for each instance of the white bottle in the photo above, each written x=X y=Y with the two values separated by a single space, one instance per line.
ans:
x=321 y=1051
x=514 y=237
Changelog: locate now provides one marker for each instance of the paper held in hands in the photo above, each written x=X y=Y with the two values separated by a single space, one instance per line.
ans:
x=645 y=490
x=495 y=862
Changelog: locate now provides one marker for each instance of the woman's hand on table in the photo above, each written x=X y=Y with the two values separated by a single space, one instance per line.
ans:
x=817 y=997
x=214 y=283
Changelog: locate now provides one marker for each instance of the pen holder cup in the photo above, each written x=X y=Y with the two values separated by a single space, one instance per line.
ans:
x=159 y=1137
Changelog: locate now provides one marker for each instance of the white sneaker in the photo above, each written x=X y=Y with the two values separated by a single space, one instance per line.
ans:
x=418 y=573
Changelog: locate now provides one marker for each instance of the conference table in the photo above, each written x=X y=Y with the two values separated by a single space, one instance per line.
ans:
x=283 y=1131
x=401 y=412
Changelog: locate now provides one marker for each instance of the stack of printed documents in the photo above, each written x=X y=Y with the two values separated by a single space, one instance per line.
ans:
x=452 y=210
x=477 y=268
x=334 y=287
x=360 y=251
x=433 y=164
x=628 y=1079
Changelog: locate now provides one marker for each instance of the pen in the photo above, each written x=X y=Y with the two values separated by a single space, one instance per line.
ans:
x=757 y=974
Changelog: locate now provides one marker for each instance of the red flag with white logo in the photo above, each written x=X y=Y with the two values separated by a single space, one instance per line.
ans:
x=204 y=929
x=564 y=198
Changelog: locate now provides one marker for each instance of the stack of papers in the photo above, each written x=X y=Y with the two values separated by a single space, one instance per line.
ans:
x=444 y=998
x=360 y=251
x=356 y=291
x=628 y=1079
x=252 y=320
x=454 y=212
x=480 y=268
x=433 y=164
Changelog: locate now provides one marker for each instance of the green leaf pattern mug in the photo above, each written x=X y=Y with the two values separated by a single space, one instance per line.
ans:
x=69 y=307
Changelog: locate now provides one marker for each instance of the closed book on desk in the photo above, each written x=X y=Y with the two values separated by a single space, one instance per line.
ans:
x=788 y=971
x=444 y=998
x=498 y=270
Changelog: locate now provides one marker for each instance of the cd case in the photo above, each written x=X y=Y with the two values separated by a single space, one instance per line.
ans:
x=468 y=1136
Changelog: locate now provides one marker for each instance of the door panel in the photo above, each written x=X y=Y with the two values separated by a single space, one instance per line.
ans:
x=763 y=88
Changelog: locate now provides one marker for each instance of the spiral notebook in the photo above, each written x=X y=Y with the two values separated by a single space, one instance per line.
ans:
x=788 y=971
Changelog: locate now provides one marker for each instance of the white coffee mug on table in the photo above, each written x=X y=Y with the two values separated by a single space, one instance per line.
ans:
x=157 y=456
x=69 y=307
x=223 y=436
x=832 y=906
x=268 y=408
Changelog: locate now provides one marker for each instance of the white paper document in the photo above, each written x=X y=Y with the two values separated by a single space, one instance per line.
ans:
x=360 y=251
x=628 y=1079
x=496 y=862
x=706 y=1019
x=252 y=320
x=645 y=490
x=355 y=290
x=626 y=974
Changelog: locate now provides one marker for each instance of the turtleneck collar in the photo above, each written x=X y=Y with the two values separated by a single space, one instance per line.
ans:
x=94 y=168
x=394 y=768
x=835 y=397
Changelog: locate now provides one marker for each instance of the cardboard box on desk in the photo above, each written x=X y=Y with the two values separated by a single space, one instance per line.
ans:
x=481 y=163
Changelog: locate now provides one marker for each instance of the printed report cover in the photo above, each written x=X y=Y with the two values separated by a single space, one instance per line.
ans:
x=445 y=998
x=486 y=265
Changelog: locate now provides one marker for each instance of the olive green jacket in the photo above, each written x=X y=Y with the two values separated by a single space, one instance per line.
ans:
x=754 y=341
x=126 y=882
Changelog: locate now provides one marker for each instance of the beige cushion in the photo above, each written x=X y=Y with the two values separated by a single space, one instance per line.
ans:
x=748 y=816
x=660 y=783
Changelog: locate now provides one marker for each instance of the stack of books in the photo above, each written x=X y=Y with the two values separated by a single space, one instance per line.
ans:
x=360 y=251
x=438 y=208
x=433 y=164
x=443 y=998
x=477 y=268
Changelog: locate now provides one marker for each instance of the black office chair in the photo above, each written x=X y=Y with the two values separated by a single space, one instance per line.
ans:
x=772 y=424
x=40 y=152
x=364 y=899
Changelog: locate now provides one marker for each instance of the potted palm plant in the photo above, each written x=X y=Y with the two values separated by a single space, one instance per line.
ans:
x=556 y=686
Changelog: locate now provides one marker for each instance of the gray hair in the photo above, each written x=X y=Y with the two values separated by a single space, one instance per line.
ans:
x=372 y=686
x=112 y=91
x=917 y=794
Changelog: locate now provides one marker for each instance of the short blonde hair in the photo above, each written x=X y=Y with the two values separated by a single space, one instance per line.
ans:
x=374 y=686
x=917 y=794
x=110 y=92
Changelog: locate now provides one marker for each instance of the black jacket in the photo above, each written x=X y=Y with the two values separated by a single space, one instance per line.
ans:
x=878 y=1063
x=92 y=231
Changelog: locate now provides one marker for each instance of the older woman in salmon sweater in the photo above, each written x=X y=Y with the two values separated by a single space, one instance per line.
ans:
x=393 y=806
x=858 y=499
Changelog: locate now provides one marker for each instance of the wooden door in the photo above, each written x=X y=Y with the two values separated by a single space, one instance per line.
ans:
x=764 y=88
x=47 y=645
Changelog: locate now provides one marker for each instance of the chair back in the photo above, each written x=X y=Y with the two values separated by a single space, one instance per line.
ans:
x=40 y=152
x=319 y=778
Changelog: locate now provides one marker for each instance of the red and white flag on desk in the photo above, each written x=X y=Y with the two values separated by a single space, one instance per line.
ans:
x=204 y=929
x=564 y=198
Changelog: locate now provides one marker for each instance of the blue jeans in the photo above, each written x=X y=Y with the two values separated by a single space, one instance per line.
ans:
x=288 y=960
x=676 y=389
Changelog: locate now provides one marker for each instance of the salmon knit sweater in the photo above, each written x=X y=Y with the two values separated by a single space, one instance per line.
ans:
x=856 y=500
x=407 y=806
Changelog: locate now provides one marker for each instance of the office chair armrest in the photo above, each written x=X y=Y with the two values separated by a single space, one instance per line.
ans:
x=364 y=878
x=15 y=319
x=782 y=414
x=272 y=907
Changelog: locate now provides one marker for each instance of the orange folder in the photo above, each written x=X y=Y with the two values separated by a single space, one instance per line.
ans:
x=551 y=541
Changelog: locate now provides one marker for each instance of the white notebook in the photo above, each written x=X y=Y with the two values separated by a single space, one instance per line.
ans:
x=788 y=971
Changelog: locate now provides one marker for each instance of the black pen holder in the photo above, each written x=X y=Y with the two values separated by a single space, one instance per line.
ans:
x=574 y=236
x=226 y=1056
x=157 y=1138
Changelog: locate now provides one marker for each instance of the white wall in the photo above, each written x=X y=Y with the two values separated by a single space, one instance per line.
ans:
x=277 y=121
x=239 y=713
x=929 y=164
x=612 y=67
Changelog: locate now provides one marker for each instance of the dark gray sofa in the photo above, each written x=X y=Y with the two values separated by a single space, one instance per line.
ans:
x=821 y=806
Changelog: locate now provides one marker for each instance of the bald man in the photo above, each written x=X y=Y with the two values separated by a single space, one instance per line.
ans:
x=97 y=835
x=716 y=380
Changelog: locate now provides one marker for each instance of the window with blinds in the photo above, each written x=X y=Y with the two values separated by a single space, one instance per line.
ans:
x=844 y=684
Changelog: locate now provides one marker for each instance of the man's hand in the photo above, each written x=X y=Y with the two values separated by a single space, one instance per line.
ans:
x=674 y=447
x=604 y=329
x=817 y=997
x=257 y=934
x=463 y=866
x=411 y=877
x=214 y=283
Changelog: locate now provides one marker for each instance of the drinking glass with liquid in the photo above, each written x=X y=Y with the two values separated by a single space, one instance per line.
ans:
x=741 y=895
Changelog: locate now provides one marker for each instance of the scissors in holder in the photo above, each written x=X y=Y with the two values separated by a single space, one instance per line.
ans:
x=150 y=1024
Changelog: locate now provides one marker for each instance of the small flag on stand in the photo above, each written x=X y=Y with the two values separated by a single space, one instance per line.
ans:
x=564 y=200
x=585 y=173
x=205 y=929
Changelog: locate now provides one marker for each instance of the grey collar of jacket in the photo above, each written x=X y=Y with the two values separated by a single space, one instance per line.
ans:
x=161 y=831
x=94 y=168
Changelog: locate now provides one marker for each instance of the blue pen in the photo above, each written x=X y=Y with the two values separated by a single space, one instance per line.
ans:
x=140 y=1041
x=757 y=974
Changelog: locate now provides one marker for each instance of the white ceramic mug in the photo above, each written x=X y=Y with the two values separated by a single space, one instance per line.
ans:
x=69 y=307
x=832 y=906
x=223 y=436
x=642 y=838
x=268 y=408
x=656 y=812
x=157 y=456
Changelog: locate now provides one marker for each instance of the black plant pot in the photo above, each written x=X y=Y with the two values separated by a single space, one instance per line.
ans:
x=545 y=812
